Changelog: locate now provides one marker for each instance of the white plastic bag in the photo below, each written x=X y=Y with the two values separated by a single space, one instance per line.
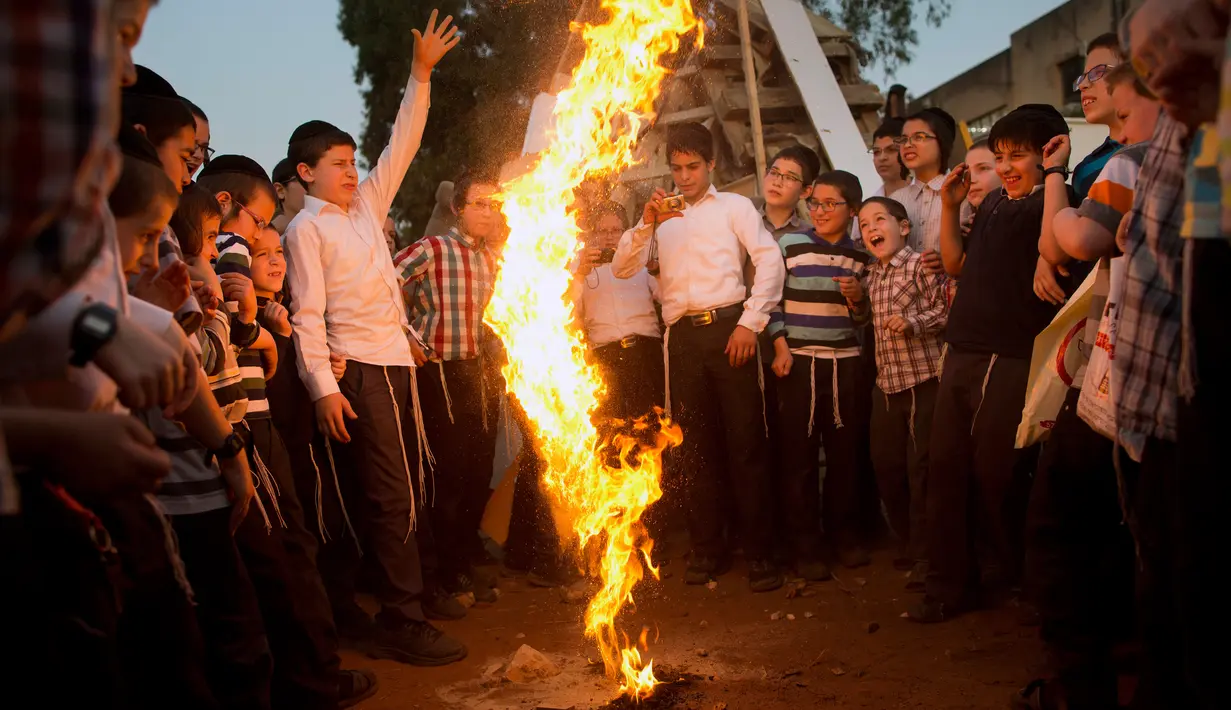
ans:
x=1096 y=406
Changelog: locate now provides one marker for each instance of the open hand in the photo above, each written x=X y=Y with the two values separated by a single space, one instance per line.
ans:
x=332 y=411
x=956 y=186
x=432 y=45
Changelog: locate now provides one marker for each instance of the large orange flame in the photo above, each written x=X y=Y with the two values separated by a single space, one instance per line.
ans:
x=597 y=120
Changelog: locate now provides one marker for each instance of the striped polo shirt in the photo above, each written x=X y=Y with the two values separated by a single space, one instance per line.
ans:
x=814 y=316
x=1111 y=195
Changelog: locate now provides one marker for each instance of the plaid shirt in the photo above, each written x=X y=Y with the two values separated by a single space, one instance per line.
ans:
x=447 y=282
x=903 y=287
x=57 y=154
x=1147 y=362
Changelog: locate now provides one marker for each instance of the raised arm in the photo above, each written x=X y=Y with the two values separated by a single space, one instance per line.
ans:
x=952 y=247
x=307 y=280
x=383 y=183
x=766 y=292
x=1055 y=199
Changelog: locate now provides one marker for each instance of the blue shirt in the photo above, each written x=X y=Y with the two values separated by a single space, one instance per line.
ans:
x=1087 y=171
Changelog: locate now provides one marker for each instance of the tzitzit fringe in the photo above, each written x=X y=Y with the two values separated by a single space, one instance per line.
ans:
x=761 y=384
x=265 y=480
x=837 y=412
x=444 y=385
x=983 y=392
x=410 y=486
x=667 y=371
x=337 y=486
x=172 y=545
x=425 y=451
x=320 y=501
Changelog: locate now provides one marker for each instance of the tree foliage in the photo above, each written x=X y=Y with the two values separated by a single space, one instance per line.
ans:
x=483 y=90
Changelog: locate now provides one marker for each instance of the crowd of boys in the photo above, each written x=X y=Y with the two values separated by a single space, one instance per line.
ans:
x=227 y=396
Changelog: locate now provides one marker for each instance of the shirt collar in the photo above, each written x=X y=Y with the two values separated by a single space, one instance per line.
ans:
x=898 y=261
x=315 y=206
x=934 y=184
x=456 y=233
x=1005 y=194
x=795 y=219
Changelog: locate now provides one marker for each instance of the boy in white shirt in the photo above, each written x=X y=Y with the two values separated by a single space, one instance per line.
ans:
x=346 y=299
x=713 y=319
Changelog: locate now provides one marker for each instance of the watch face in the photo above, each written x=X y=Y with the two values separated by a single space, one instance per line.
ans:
x=96 y=326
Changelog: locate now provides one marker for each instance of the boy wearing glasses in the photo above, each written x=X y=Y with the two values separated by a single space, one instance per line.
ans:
x=202 y=153
x=447 y=281
x=345 y=298
x=925 y=146
x=788 y=180
x=885 y=157
x=817 y=361
x=1102 y=55
x=290 y=191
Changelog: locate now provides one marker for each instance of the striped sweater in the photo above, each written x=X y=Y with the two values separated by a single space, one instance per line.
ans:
x=228 y=337
x=814 y=316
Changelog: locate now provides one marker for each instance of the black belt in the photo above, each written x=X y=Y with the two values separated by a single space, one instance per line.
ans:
x=710 y=317
x=629 y=342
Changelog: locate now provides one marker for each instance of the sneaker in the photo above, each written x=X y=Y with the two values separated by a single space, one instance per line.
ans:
x=764 y=576
x=930 y=611
x=355 y=686
x=702 y=569
x=814 y=571
x=440 y=605
x=853 y=556
x=356 y=629
x=418 y=643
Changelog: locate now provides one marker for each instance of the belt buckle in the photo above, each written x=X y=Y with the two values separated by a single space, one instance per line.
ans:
x=703 y=318
x=628 y=342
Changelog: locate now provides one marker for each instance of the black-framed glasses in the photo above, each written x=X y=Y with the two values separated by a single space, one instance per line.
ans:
x=1095 y=75
x=260 y=223
x=206 y=152
x=887 y=150
x=779 y=176
x=486 y=205
x=825 y=206
x=914 y=139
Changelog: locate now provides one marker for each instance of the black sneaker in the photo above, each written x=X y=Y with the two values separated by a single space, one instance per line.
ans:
x=418 y=643
x=439 y=605
x=356 y=629
x=764 y=576
x=702 y=569
x=355 y=686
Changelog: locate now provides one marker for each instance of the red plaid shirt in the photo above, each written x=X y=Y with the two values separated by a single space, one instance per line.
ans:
x=447 y=282
x=904 y=287
x=58 y=161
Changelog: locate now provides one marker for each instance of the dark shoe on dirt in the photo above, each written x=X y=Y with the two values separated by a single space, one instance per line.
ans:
x=702 y=569
x=440 y=605
x=764 y=576
x=853 y=556
x=355 y=626
x=418 y=643
x=355 y=686
x=930 y=611
x=814 y=571
x=485 y=595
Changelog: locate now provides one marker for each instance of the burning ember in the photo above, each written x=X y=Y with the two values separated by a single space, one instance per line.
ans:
x=597 y=119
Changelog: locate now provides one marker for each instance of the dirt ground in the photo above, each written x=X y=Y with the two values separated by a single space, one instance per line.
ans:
x=846 y=647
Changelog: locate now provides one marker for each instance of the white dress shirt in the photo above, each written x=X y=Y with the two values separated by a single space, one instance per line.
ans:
x=345 y=295
x=612 y=309
x=701 y=258
x=922 y=203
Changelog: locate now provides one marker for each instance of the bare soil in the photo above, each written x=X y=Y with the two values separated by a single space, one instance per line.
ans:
x=846 y=647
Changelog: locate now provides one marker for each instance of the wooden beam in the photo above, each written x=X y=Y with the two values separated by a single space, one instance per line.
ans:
x=750 y=84
x=692 y=114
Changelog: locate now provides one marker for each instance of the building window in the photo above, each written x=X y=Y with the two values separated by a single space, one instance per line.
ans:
x=1070 y=69
x=981 y=126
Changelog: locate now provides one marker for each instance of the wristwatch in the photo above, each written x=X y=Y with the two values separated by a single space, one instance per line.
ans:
x=234 y=445
x=1059 y=169
x=93 y=328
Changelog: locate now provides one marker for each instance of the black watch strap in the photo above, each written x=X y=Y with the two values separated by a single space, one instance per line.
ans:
x=234 y=445
x=94 y=327
x=1056 y=170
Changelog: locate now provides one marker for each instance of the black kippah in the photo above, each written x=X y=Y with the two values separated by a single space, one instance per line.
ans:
x=285 y=171
x=135 y=145
x=945 y=119
x=234 y=164
x=1047 y=115
x=312 y=129
x=150 y=84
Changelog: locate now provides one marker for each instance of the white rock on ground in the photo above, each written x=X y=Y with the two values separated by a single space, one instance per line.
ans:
x=528 y=665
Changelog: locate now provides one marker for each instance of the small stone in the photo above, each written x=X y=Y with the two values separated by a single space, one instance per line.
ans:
x=702 y=653
x=837 y=671
x=790 y=617
x=520 y=636
x=775 y=616
x=872 y=627
x=711 y=585
x=808 y=615
x=704 y=623
x=861 y=581
x=529 y=665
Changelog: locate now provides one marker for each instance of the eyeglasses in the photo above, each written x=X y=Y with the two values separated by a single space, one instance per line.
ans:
x=486 y=205
x=827 y=206
x=914 y=139
x=205 y=150
x=1095 y=75
x=887 y=150
x=260 y=223
x=778 y=176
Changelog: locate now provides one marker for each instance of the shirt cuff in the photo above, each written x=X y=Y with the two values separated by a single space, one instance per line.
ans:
x=754 y=321
x=321 y=384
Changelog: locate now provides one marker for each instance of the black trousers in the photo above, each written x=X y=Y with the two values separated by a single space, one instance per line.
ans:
x=461 y=438
x=282 y=564
x=237 y=654
x=807 y=400
x=973 y=471
x=119 y=624
x=719 y=409
x=381 y=461
x=1079 y=558
x=1179 y=516
x=635 y=386
x=901 y=445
